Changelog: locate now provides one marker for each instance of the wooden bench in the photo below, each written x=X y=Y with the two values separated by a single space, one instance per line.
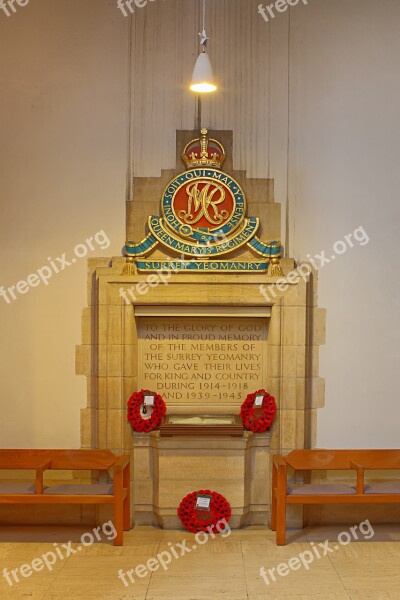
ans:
x=116 y=494
x=357 y=461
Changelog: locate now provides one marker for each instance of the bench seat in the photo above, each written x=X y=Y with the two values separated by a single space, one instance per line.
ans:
x=17 y=488
x=385 y=487
x=78 y=489
x=320 y=488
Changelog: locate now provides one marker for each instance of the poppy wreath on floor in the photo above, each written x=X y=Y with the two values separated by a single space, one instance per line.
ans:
x=258 y=419
x=196 y=519
x=135 y=417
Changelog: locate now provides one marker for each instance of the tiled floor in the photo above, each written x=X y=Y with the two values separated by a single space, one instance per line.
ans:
x=224 y=568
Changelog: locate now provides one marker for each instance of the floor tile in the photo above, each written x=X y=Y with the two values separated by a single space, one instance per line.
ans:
x=220 y=568
x=368 y=573
x=389 y=594
x=339 y=595
x=190 y=587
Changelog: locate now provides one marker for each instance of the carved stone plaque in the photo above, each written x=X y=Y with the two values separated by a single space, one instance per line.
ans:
x=193 y=362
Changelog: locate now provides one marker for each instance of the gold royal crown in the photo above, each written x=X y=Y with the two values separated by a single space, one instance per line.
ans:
x=204 y=152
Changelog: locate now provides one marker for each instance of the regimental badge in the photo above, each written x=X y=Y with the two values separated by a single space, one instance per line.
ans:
x=203 y=217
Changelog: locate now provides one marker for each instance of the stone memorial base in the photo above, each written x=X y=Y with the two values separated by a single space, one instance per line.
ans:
x=167 y=468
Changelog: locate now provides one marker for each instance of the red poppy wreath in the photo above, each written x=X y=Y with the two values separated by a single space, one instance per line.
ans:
x=196 y=519
x=249 y=412
x=156 y=412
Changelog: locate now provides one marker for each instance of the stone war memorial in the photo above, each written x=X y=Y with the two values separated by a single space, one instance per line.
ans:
x=203 y=311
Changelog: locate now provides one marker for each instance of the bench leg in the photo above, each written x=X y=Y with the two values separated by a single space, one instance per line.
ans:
x=118 y=524
x=127 y=515
x=273 y=498
x=273 y=510
x=281 y=521
x=127 y=501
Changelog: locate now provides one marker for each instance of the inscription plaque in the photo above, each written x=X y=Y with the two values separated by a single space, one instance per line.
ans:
x=199 y=360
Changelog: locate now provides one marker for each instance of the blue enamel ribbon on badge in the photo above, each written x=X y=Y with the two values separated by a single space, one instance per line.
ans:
x=143 y=247
x=270 y=250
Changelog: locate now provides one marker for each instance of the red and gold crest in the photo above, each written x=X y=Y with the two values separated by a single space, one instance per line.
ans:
x=203 y=204
x=203 y=216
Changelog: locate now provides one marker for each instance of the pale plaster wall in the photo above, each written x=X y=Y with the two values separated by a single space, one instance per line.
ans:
x=63 y=98
x=64 y=131
x=344 y=148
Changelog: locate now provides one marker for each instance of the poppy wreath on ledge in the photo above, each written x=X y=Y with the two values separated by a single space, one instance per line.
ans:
x=196 y=519
x=258 y=419
x=135 y=416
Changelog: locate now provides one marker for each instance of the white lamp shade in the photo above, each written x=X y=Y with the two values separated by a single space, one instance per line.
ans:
x=203 y=78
